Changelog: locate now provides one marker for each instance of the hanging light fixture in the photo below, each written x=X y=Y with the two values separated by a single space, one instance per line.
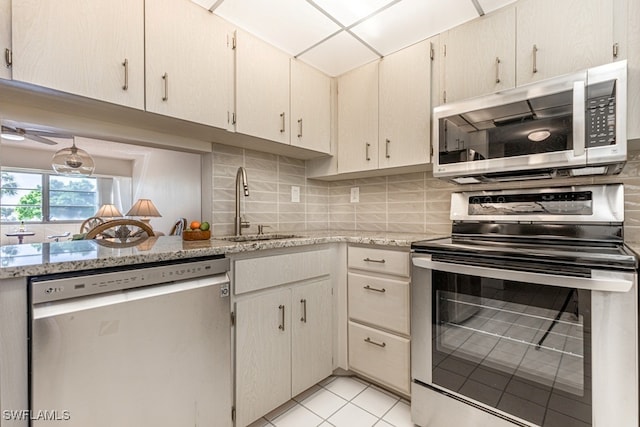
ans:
x=72 y=161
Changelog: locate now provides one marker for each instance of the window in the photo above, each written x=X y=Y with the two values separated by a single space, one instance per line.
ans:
x=41 y=197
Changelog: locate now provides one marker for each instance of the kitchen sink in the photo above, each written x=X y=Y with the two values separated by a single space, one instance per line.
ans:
x=257 y=237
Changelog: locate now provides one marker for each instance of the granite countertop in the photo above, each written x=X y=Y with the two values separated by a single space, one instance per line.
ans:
x=57 y=257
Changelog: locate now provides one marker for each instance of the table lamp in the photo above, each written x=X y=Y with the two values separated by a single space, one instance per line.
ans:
x=144 y=208
x=108 y=211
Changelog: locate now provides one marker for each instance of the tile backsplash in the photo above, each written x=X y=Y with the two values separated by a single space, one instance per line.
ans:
x=413 y=202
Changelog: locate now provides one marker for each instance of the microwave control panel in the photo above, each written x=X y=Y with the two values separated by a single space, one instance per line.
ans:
x=601 y=115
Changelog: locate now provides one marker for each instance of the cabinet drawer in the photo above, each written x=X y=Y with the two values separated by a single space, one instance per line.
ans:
x=379 y=260
x=380 y=301
x=382 y=356
x=253 y=274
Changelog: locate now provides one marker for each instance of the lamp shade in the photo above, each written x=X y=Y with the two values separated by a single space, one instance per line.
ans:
x=143 y=208
x=109 y=211
x=72 y=161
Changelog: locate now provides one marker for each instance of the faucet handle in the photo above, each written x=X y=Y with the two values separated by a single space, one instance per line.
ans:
x=261 y=228
x=244 y=224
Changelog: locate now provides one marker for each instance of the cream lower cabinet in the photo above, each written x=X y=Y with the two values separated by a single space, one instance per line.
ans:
x=283 y=333
x=88 y=48
x=378 y=310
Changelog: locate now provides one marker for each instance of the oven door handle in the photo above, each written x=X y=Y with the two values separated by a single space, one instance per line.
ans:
x=600 y=280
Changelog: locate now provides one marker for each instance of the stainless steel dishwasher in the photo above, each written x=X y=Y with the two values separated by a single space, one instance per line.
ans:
x=144 y=345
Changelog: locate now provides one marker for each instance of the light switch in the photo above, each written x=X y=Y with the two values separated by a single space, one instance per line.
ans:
x=295 y=194
x=355 y=194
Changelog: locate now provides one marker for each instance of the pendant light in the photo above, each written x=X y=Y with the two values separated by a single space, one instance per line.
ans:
x=72 y=161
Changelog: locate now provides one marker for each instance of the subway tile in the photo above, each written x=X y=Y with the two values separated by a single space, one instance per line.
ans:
x=409 y=206
x=341 y=217
x=342 y=225
x=363 y=207
x=376 y=180
x=227 y=159
x=411 y=217
x=227 y=149
x=290 y=161
x=371 y=226
x=404 y=187
x=412 y=196
x=406 y=227
x=342 y=208
x=288 y=169
x=416 y=176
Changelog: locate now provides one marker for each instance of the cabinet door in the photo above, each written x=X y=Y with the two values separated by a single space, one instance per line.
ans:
x=633 y=67
x=263 y=351
x=480 y=56
x=405 y=107
x=262 y=89
x=88 y=48
x=188 y=62
x=310 y=108
x=5 y=38
x=559 y=37
x=358 y=119
x=311 y=348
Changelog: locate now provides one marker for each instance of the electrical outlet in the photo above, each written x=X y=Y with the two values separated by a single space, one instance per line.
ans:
x=355 y=194
x=295 y=194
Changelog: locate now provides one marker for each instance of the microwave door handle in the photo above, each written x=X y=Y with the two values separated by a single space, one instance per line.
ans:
x=604 y=281
x=579 y=123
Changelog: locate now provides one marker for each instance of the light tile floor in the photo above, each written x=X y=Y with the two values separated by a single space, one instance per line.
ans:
x=341 y=401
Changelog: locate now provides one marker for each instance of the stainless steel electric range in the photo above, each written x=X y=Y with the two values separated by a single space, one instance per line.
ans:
x=528 y=313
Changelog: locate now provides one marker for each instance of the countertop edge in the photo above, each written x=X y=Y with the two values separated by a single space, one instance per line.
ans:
x=167 y=248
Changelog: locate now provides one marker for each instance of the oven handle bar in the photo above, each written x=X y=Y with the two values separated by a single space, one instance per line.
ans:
x=600 y=280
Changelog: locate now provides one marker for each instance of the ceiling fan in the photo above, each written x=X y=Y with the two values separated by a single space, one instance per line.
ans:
x=18 y=134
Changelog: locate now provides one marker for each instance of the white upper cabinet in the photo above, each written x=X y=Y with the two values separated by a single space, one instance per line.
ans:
x=310 y=108
x=5 y=39
x=188 y=62
x=262 y=89
x=480 y=55
x=405 y=107
x=358 y=119
x=558 y=37
x=633 y=68
x=88 y=48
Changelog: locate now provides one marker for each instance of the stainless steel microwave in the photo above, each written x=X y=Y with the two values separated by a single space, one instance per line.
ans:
x=571 y=125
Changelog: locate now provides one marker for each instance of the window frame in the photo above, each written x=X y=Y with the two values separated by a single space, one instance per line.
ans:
x=45 y=178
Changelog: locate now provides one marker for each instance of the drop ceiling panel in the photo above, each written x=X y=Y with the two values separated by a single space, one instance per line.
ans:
x=290 y=25
x=338 y=55
x=349 y=11
x=410 y=21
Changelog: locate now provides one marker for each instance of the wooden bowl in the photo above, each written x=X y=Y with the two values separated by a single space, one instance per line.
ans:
x=196 y=235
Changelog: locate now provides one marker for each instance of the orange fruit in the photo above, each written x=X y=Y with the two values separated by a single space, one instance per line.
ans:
x=194 y=225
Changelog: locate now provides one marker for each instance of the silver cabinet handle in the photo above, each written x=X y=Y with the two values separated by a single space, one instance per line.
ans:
x=497 y=69
x=299 y=128
x=380 y=261
x=386 y=149
x=125 y=64
x=282 y=127
x=379 y=344
x=8 y=57
x=369 y=288
x=535 y=59
x=304 y=310
x=165 y=77
x=366 y=154
x=281 y=326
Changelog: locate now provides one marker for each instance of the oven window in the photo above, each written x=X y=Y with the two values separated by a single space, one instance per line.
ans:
x=521 y=348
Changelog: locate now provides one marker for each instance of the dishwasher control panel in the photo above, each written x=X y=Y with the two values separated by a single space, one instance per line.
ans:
x=77 y=284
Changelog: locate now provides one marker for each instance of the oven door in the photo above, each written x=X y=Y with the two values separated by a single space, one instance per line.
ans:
x=537 y=348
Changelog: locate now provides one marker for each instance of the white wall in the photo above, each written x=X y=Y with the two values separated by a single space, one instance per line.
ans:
x=172 y=181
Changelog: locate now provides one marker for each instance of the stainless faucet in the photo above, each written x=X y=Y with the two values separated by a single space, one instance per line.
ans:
x=241 y=178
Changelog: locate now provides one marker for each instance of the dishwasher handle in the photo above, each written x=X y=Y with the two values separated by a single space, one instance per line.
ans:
x=600 y=280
